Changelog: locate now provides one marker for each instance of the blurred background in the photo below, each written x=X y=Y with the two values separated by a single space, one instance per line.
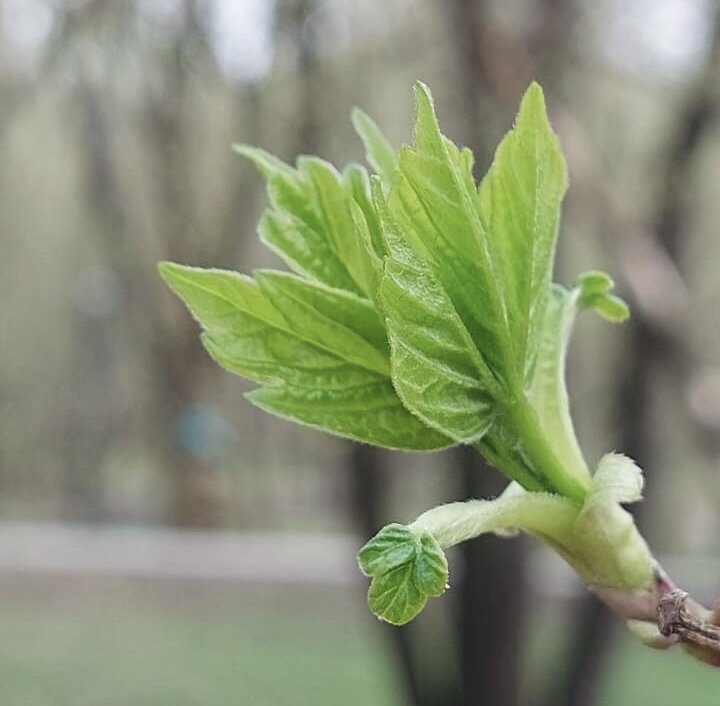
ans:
x=163 y=542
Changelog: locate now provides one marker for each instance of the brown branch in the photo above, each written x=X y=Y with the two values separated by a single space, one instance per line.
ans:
x=677 y=614
x=679 y=618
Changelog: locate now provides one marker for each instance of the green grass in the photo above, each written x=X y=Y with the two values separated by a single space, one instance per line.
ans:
x=638 y=676
x=271 y=650
x=113 y=643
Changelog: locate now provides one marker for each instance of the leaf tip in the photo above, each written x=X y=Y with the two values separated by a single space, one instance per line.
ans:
x=359 y=119
x=165 y=268
x=244 y=150
x=424 y=103
x=533 y=102
x=534 y=92
x=594 y=282
x=171 y=271
x=612 y=308
x=422 y=89
x=267 y=164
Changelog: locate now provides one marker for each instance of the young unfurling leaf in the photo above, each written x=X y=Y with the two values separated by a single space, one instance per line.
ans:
x=520 y=206
x=595 y=292
x=380 y=154
x=406 y=567
x=311 y=223
x=434 y=204
x=438 y=372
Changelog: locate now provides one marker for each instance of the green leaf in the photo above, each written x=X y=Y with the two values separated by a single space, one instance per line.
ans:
x=598 y=537
x=431 y=569
x=593 y=282
x=369 y=412
x=391 y=547
x=548 y=392
x=272 y=168
x=618 y=479
x=272 y=356
x=332 y=200
x=297 y=228
x=358 y=182
x=379 y=152
x=341 y=322
x=220 y=300
x=374 y=255
x=548 y=516
x=407 y=563
x=395 y=597
x=520 y=204
x=406 y=567
x=438 y=373
x=434 y=203
x=320 y=382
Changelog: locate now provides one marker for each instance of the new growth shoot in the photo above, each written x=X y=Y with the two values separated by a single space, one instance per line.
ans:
x=420 y=313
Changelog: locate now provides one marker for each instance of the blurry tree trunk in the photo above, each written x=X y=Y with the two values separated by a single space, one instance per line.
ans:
x=88 y=424
x=652 y=346
x=581 y=665
x=491 y=599
x=88 y=421
x=193 y=503
x=492 y=592
x=19 y=91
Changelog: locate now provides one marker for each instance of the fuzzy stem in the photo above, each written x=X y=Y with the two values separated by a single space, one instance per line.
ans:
x=536 y=513
x=540 y=454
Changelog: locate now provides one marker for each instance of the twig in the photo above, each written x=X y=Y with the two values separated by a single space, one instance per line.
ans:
x=678 y=614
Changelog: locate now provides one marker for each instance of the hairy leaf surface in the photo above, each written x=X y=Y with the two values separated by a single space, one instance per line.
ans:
x=407 y=567
x=358 y=182
x=332 y=199
x=548 y=392
x=520 y=205
x=434 y=203
x=437 y=371
x=307 y=357
x=310 y=225
x=380 y=154
x=369 y=412
x=341 y=322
